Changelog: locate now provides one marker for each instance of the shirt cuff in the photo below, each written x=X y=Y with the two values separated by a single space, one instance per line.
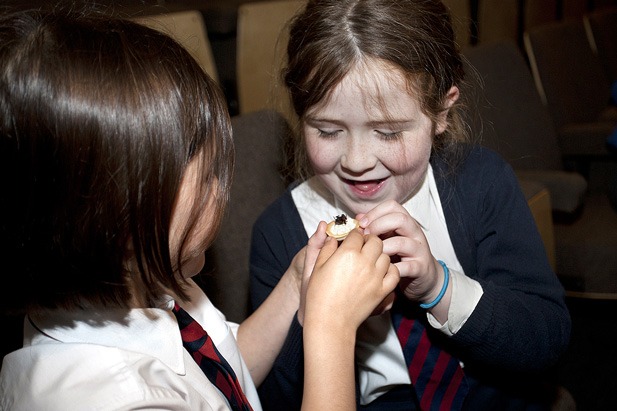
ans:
x=466 y=293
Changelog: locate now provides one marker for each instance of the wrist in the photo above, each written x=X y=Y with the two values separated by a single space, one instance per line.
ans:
x=446 y=280
x=292 y=285
x=324 y=327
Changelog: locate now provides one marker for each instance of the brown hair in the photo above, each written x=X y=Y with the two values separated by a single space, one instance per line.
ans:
x=329 y=37
x=99 y=119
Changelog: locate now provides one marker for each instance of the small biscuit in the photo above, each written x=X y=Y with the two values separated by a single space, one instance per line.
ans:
x=341 y=226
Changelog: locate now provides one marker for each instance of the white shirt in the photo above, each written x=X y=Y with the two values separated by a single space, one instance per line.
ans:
x=119 y=360
x=379 y=354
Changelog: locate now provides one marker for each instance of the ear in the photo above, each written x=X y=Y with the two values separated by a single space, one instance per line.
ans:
x=442 y=120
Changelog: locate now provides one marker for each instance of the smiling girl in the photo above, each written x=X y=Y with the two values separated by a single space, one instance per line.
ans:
x=478 y=314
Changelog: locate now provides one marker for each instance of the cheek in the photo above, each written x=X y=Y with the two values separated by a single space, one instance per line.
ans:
x=193 y=256
x=323 y=156
x=406 y=158
x=194 y=265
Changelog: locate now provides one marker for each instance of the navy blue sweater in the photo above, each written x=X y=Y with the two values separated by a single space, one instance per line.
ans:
x=520 y=326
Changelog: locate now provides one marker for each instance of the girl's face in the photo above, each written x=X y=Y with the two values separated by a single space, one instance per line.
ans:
x=370 y=142
x=193 y=257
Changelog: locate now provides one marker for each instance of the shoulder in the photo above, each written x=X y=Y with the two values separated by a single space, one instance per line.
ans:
x=476 y=168
x=482 y=185
x=100 y=377
x=279 y=227
x=465 y=159
x=282 y=209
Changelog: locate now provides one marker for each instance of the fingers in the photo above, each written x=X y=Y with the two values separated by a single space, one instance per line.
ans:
x=329 y=248
x=319 y=237
x=370 y=248
x=397 y=222
x=363 y=262
x=385 y=305
x=383 y=259
x=379 y=211
x=369 y=245
x=354 y=240
x=392 y=277
x=403 y=238
x=313 y=248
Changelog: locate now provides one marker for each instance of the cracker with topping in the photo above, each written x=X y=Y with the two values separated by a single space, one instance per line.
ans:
x=341 y=226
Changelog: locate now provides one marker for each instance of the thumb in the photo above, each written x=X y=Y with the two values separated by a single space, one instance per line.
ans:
x=329 y=248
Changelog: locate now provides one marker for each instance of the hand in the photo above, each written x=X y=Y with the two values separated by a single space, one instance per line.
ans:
x=404 y=241
x=296 y=270
x=308 y=259
x=348 y=281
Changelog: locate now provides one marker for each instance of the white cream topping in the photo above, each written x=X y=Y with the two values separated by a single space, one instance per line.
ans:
x=338 y=229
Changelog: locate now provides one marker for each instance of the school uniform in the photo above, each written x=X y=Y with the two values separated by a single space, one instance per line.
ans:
x=119 y=360
x=508 y=321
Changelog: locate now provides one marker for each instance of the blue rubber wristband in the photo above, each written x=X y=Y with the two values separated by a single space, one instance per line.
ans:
x=446 y=280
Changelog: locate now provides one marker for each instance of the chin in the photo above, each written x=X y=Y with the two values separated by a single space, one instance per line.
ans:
x=364 y=205
x=356 y=208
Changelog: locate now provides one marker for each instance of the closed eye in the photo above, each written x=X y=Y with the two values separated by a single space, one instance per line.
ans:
x=327 y=133
x=389 y=135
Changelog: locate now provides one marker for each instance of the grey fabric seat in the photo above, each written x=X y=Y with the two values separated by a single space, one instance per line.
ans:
x=572 y=82
x=258 y=137
x=506 y=109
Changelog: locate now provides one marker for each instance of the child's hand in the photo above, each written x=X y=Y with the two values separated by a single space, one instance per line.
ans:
x=296 y=271
x=404 y=241
x=348 y=281
x=308 y=259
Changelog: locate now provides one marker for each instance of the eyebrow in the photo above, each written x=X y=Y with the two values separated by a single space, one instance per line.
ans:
x=375 y=123
x=390 y=123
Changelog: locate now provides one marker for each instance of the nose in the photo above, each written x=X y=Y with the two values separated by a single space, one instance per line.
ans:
x=358 y=156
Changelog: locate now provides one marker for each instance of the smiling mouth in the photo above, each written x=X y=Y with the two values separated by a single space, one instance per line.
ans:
x=365 y=187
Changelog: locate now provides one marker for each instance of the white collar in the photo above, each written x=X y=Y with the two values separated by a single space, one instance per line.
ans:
x=114 y=328
x=315 y=202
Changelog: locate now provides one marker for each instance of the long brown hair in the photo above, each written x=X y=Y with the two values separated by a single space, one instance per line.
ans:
x=99 y=119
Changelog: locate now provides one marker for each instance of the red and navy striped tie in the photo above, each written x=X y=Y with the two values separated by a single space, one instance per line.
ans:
x=437 y=376
x=197 y=342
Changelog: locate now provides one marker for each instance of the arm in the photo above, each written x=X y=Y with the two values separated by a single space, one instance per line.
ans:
x=347 y=283
x=278 y=235
x=521 y=323
x=262 y=334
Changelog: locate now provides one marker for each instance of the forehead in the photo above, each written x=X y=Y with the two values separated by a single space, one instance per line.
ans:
x=375 y=86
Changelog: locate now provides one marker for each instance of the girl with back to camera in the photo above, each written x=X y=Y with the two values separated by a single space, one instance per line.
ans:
x=478 y=316
x=116 y=159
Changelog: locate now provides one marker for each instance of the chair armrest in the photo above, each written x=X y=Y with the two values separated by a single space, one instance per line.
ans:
x=585 y=139
x=567 y=189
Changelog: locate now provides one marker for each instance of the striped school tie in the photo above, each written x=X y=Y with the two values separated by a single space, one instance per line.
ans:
x=197 y=342
x=437 y=377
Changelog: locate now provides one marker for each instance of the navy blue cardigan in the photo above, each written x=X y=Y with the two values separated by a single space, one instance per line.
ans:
x=521 y=325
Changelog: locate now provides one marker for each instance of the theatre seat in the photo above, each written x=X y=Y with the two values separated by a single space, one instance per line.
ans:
x=506 y=110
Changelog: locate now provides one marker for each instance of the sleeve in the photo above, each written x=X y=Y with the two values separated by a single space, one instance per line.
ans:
x=466 y=293
x=277 y=236
x=521 y=322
